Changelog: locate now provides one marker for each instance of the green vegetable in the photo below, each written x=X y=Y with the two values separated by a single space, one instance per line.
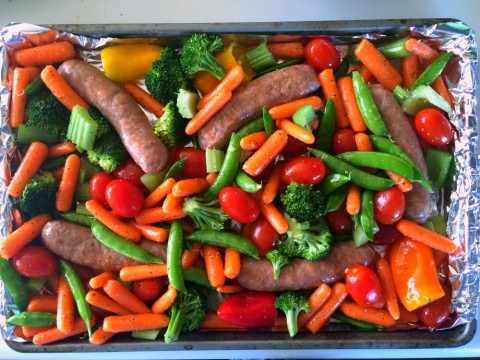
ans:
x=35 y=86
x=80 y=219
x=146 y=334
x=39 y=195
x=359 y=236
x=304 y=203
x=226 y=240
x=279 y=66
x=278 y=260
x=82 y=129
x=205 y=213
x=174 y=256
x=343 y=68
x=76 y=286
x=337 y=315
x=367 y=106
x=197 y=276
x=429 y=75
x=187 y=103
x=122 y=245
x=197 y=55
x=324 y=135
x=246 y=183
x=331 y=182
x=366 y=213
x=32 y=318
x=304 y=116
x=104 y=125
x=336 y=198
x=14 y=284
x=291 y=303
x=82 y=192
x=393 y=48
x=214 y=159
x=36 y=284
x=152 y=181
x=170 y=127
x=176 y=170
x=423 y=97
x=260 y=58
x=255 y=125
x=268 y=122
x=28 y=134
x=438 y=164
x=108 y=152
x=55 y=163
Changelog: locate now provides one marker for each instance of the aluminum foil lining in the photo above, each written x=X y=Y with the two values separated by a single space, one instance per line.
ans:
x=461 y=204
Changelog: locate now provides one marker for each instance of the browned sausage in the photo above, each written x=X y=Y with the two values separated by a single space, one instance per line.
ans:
x=128 y=119
x=301 y=273
x=269 y=90
x=417 y=201
x=77 y=244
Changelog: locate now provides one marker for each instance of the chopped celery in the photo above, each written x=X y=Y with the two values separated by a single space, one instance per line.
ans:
x=146 y=334
x=187 y=103
x=304 y=116
x=422 y=97
x=214 y=159
x=260 y=58
x=438 y=164
x=82 y=128
x=27 y=134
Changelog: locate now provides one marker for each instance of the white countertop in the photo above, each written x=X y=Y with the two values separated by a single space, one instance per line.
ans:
x=206 y=11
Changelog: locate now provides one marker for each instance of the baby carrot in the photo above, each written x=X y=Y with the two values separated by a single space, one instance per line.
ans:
x=43 y=38
x=287 y=50
x=61 y=149
x=295 y=131
x=353 y=199
x=165 y=301
x=345 y=88
x=96 y=298
x=385 y=275
x=100 y=336
x=68 y=183
x=52 y=335
x=150 y=232
x=369 y=314
x=441 y=88
x=65 y=307
x=230 y=289
x=273 y=216
x=214 y=265
x=17 y=218
x=253 y=141
x=421 y=49
x=402 y=183
x=144 y=98
x=157 y=215
x=288 y=109
x=31 y=331
x=43 y=303
x=125 y=297
x=213 y=322
x=190 y=256
x=211 y=177
x=101 y=279
x=45 y=54
x=134 y=322
x=232 y=263
x=140 y=272
x=410 y=70
x=189 y=187
x=363 y=142
x=272 y=185
x=329 y=87
x=315 y=301
x=159 y=193
x=21 y=79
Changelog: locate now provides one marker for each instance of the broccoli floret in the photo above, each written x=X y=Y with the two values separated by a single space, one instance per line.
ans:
x=170 y=127
x=108 y=152
x=45 y=112
x=38 y=197
x=312 y=242
x=278 y=260
x=291 y=303
x=186 y=314
x=205 y=214
x=165 y=77
x=104 y=125
x=197 y=55
x=304 y=203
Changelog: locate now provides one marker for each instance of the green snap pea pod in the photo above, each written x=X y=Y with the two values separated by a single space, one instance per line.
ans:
x=33 y=318
x=53 y=164
x=358 y=177
x=378 y=160
x=174 y=256
x=176 y=170
x=326 y=128
x=336 y=198
x=35 y=86
x=279 y=66
x=14 y=284
x=367 y=106
x=229 y=168
x=268 y=122
x=429 y=75
x=197 y=276
x=122 y=245
x=342 y=69
x=246 y=183
x=225 y=239
x=394 y=48
x=438 y=164
x=36 y=284
x=76 y=286
x=251 y=127
x=358 y=234
x=385 y=145
x=332 y=182
x=366 y=213
x=337 y=315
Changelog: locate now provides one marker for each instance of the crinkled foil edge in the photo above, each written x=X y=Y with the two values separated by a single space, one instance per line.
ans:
x=461 y=205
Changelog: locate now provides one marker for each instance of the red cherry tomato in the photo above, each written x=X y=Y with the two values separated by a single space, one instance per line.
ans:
x=97 y=186
x=196 y=164
x=433 y=127
x=124 y=198
x=339 y=221
x=321 y=54
x=294 y=147
x=148 y=289
x=386 y=234
x=389 y=205
x=239 y=205
x=363 y=285
x=344 y=140
x=249 y=309
x=35 y=262
x=130 y=171
x=263 y=235
x=436 y=313
x=306 y=170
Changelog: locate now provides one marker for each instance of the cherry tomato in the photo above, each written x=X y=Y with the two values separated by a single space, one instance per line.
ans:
x=196 y=164
x=263 y=235
x=306 y=170
x=389 y=205
x=130 y=171
x=433 y=127
x=148 y=289
x=239 y=205
x=35 y=262
x=343 y=141
x=294 y=148
x=364 y=286
x=249 y=309
x=124 y=198
x=339 y=221
x=436 y=313
x=321 y=54
x=386 y=234
x=97 y=186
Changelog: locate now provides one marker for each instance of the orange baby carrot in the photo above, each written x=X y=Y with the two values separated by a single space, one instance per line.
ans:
x=214 y=265
x=379 y=66
x=411 y=69
x=159 y=193
x=189 y=187
x=273 y=216
x=165 y=301
x=421 y=49
x=45 y=54
x=31 y=331
x=23 y=235
x=100 y=280
x=112 y=222
x=190 y=256
x=140 y=272
x=134 y=322
x=385 y=275
x=257 y=162
x=53 y=334
x=365 y=73
x=36 y=153
x=369 y=314
x=287 y=50
x=157 y=215
x=272 y=185
x=288 y=109
x=402 y=183
x=363 y=142
x=441 y=88
x=428 y=237
x=315 y=301
x=58 y=173
x=43 y=303
x=100 y=336
x=230 y=289
x=96 y=298
x=144 y=98
x=21 y=79
x=295 y=131
x=213 y=322
x=353 y=199
x=150 y=232
x=232 y=263
x=211 y=177
x=61 y=149
x=125 y=297
x=68 y=183
x=43 y=38
x=345 y=88
x=61 y=89
x=65 y=307
x=17 y=218
x=172 y=202
x=253 y=141
x=329 y=87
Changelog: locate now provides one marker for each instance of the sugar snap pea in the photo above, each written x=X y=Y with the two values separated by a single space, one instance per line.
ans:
x=394 y=48
x=14 y=283
x=251 y=127
x=197 y=276
x=337 y=315
x=429 y=75
x=175 y=170
x=225 y=239
x=331 y=182
x=268 y=122
x=366 y=213
x=33 y=318
x=336 y=198
x=246 y=183
x=174 y=256
x=326 y=128
x=76 y=218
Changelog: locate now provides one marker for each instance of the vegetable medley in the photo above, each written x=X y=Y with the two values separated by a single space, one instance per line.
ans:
x=291 y=185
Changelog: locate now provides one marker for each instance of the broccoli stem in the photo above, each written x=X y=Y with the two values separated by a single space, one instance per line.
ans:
x=292 y=326
x=175 y=324
x=210 y=64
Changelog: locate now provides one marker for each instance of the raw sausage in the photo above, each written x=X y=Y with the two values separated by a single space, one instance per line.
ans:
x=269 y=90
x=128 y=119
x=77 y=244
x=302 y=274
x=417 y=201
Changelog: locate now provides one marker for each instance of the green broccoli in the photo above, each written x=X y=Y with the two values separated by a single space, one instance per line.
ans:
x=278 y=260
x=197 y=55
x=45 y=112
x=170 y=127
x=165 y=77
x=312 y=242
x=186 y=314
x=39 y=195
x=108 y=152
x=291 y=303
x=104 y=125
x=304 y=203
x=205 y=214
